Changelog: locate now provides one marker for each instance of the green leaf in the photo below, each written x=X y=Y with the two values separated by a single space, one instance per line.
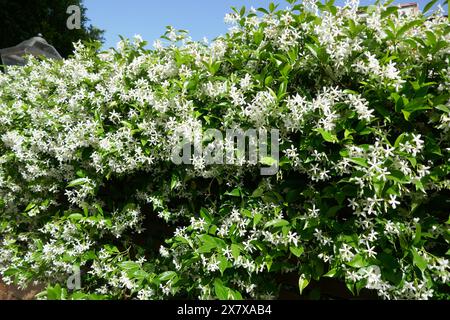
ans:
x=168 y=275
x=330 y=274
x=77 y=182
x=130 y=265
x=360 y=162
x=258 y=38
x=360 y=285
x=263 y=10
x=258 y=192
x=327 y=136
x=414 y=106
x=54 y=293
x=99 y=208
x=268 y=161
x=419 y=185
x=242 y=12
x=297 y=251
x=406 y=114
x=174 y=181
x=303 y=282
x=399 y=140
x=268 y=81
x=432 y=146
x=315 y=51
x=418 y=234
x=81 y=174
x=75 y=216
x=215 y=67
x=413 y=161
x=379 y=186
x=257 y=218
x=398 y=176
x=234 y=295
x=400 y=101
x=408 y=26
x=220 y=290
x=351 y=287
x=431 y=38
x=276 y=223
x=212 y=241
x=30 y=206
x=283 y=86
x=224 y=293
x=429 y=5
x=443 y=108
x=235 y=250
x=235 y=193
x=272 y=7
x=418 y=260
x=358 y=262
x=223 y=264
x=388 y=11
x=206 y=248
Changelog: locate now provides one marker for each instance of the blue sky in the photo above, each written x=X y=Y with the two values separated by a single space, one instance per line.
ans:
x=203 y=18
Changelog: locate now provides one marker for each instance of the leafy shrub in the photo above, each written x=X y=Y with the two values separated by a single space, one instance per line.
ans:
x=362 y=102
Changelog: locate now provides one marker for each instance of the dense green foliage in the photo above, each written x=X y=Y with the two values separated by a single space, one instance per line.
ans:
x=362 y=102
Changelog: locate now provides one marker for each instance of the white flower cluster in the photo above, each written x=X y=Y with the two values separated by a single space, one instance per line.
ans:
x=362 y=105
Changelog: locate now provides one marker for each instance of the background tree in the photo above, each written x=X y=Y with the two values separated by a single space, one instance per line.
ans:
x=21 y=20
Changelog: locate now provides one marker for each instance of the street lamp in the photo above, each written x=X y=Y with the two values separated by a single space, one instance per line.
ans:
x=37 y=46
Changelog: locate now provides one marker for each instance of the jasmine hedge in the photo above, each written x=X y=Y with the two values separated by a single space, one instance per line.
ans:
x=361 y=97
